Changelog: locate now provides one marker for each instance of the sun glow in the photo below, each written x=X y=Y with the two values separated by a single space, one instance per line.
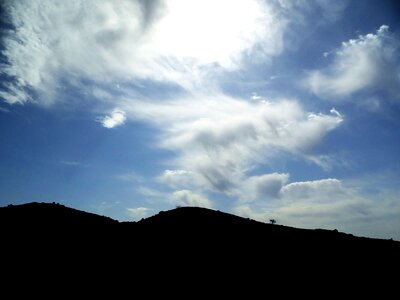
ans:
x=212 y=31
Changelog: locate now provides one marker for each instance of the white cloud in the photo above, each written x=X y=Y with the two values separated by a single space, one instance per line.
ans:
x=189 y=198
x=54 y=43
x=138 y=212
x=176 y=178
x=255 y=96
x=149 y=192
x=335 y=112
x=304 y=12
x=116 y=118
x=306 y=190
x=219 y=139
x=263 y=187
x=328 y=204
x=370 y=61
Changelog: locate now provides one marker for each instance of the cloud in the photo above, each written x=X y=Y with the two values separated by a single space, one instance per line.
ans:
x=116 y=118
x=303 y=13
x=4 y=110
x=189 y=198
x=301 y=202
x=309 y=189
x=331 y=10
x=335 y=112
x=131 y=177
x=255 y=96
x=70 y=163
x=263 y=187
x=219 y=139
x=328 y=204
x=104 y=44
x=138 y=212
x=109 y=49
x=149 y=192
x=52 y=45
x=176 y=178
x=370 y=61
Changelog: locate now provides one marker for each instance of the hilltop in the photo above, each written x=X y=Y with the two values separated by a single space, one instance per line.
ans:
x=188 y=247
x=187 y=223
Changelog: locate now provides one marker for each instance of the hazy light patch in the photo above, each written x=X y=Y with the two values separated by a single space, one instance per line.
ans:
x=70 y=163
x=4 y=110
x=131 y=177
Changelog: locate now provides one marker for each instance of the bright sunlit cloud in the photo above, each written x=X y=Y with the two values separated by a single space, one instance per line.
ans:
x=116 y=118
x=217 y=31
x=177 y=41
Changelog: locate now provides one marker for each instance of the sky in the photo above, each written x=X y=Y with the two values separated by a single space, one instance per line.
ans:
x=281 y=109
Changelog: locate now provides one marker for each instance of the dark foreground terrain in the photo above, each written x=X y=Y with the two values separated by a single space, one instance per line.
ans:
x=187 y=241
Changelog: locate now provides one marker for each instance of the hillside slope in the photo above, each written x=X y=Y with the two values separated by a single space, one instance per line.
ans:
x=186 y=249
x=182 y=232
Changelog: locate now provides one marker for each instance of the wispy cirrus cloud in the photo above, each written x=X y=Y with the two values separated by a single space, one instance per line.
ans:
x=70 y=163
x=105 y=42
x=4 y=110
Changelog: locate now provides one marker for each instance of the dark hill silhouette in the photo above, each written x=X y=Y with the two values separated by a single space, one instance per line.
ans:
x=185 y=251
x=49 y=214
x=203 y=226
x=189 y=224
x=187 y=240
x=181 y=220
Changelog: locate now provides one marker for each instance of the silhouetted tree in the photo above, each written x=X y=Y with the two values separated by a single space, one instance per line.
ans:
x=272 y=221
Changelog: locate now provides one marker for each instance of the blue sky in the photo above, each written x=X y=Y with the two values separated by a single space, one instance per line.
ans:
x=265 y=109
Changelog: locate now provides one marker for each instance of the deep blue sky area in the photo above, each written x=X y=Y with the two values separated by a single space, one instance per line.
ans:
x=68 y=158
x=266 y=109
